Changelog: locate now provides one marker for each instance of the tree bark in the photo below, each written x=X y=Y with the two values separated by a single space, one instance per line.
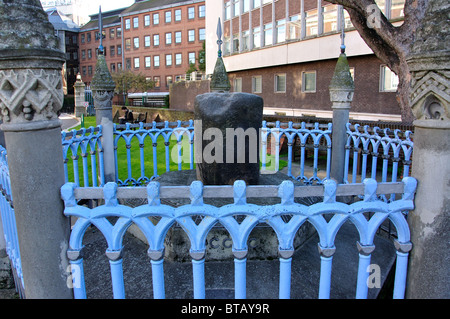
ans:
x=391 y=44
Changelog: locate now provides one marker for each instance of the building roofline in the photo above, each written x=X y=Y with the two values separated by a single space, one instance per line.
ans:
x=172 y=5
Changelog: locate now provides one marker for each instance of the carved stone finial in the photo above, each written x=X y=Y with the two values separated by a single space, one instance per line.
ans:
x=102 y=86
x=219 y=79
x=341 y=86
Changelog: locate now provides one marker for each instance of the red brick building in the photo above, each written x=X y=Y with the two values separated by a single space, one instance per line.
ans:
x=157 y=38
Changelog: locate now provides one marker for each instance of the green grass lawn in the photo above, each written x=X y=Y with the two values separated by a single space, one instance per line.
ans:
x=135 y=157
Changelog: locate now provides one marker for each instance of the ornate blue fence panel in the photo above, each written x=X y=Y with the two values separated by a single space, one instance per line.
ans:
x=9 y=221
x=157 y=134
x=81 y=143
x=301 y=135
x=385 y=145
x=90 y=99
x=273 y=215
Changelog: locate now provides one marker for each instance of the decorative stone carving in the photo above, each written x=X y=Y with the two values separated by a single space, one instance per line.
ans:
x=27 y=95
x=430 y=92
x=103 y=99
x=429 y=66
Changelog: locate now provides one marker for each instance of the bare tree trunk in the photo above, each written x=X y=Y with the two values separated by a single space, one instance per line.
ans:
x=389 y=43
x=404 y=82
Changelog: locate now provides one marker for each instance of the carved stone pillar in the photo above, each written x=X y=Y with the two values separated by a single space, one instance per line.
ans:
x=103 y=92
x=31 y=94
x=79 y=90
x=341 y=95
x=428 y=275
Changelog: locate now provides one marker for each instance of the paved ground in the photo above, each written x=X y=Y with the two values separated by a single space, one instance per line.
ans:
x=68 y=121
x=262 y=275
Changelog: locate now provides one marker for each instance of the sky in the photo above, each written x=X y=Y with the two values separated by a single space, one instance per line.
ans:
x=107 y=5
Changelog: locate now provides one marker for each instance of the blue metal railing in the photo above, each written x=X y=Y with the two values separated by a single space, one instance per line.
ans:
x=156 y=132
x=84 y=142
x=369 y=151
x=272 y=215
x=8 y=219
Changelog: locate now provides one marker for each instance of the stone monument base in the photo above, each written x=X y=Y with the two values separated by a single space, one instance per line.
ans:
x=262 y=243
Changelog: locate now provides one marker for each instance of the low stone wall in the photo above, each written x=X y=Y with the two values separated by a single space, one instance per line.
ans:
x=155 y=114
x=182 y=94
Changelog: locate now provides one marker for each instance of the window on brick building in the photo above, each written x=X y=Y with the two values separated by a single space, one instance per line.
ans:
x=309 y=81
x=136 y=63
x=156 y=60
x=169 y=80
x=127 y=24
x=168 y=38
x=178 y=59
x=280 y=83
x=135 y=22
x=168 y=16
x=155 y=18
x=257 y=84
x=191 y=13
x=178 y=37
x=201 y=11
x=146 y=20
x=191 y=35
x=155 y=39
x=388 y=80
x=201 y=34
x=237 y=84
x=147 y=41
x=148 y=61
x=168 y=59
x=178 y=15
x=157 y=81
x=136 y=43
x=191 y=57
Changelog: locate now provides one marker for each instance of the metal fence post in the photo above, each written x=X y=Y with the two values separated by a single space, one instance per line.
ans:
x=31 y=94
x=341 y=95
